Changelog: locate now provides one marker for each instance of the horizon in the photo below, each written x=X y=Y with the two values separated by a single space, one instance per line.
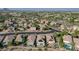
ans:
x=40 y=9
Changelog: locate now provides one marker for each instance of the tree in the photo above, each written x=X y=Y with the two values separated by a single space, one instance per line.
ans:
x=58 y=37
x=76 y=33
x=72 y=20
x=61 y=43
x=24 y=40
x=73 y=44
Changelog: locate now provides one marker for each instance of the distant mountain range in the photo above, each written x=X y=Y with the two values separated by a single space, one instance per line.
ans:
x=41 y=9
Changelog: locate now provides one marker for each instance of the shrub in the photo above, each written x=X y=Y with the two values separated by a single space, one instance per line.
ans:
x=39 y=49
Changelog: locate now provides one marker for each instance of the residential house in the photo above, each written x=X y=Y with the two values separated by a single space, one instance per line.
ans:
x=19 y=38
x=67 y=38
x=8 y=38
x=31 y=38
x=76 y=40
x=50 y=40
x=40 y=41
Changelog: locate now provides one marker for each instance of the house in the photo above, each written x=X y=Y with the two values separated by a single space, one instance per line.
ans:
x=19 y=38
x=40 y=41
x=6 y=22
x=20 y=23
x=42 y=26
x=67 y=38
x=75 y=27
x=76 y=40
x=8 y=38
x=50 y=40
x=32 y=29
x=44 y=21
x=31 y=40
x=14 y=14
x=72 y=28
x=20 y=28
x=1 y=37
x=52 y=23
x=62 y=27
x=25 y=25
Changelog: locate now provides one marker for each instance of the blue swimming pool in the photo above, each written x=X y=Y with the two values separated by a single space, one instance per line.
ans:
x=68 y=46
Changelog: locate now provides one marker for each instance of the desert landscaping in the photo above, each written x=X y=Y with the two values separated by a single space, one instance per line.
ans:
x=39 y=31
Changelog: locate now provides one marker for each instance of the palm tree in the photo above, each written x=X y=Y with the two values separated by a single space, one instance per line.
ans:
x=75 y=34
x=61 y=43
x=24 y=39
x=2 y=44
x=72 y=20
x=73 y=44
x=58 y=38
x=55 y=39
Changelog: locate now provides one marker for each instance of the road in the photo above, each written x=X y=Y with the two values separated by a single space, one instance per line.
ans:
x=13 y=33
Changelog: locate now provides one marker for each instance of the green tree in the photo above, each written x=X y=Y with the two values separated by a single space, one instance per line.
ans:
x=58 y=37
x=73 y=44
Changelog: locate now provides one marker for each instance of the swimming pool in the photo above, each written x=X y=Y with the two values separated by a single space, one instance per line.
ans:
x=68 y=46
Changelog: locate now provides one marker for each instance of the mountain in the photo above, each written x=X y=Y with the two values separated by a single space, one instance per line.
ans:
x=40 y=9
